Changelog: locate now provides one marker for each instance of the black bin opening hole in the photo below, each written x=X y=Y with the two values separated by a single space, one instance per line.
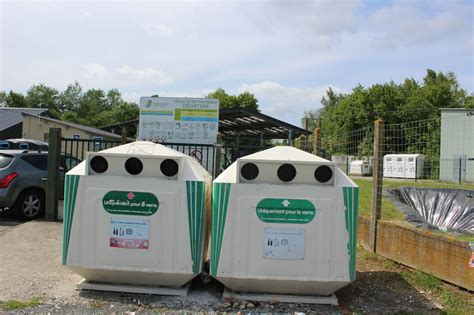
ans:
x=99 y=164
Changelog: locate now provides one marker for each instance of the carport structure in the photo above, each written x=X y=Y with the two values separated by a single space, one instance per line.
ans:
x=235 y=123
x=239 y=122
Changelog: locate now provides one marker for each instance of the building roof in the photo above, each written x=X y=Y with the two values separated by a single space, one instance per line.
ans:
x=11 y=116
x=80 y=127
x=244 y=123
x=457 y=109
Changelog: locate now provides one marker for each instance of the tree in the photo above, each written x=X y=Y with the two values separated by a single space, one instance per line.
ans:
x=248 y=101
x=42 y=96
x=16 y=100
x=245 y=100
x=409 y=101
x=3 y=99
x=70 y=98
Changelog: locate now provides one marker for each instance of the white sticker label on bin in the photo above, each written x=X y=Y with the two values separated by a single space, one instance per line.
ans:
x=283 y=244
x=129 y=233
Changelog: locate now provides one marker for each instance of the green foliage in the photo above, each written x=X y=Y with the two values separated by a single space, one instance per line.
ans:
x=12 y=305
x=94 y=107
x=42 y=96
x=244 y=100
x=398 y=105
x=71 y=97
x=15 y=100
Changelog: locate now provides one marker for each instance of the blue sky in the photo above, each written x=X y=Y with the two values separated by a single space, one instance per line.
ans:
x=285 y=52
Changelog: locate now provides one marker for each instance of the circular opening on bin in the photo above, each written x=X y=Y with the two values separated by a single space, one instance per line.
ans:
x=99 y=164
x=169 y=167
x=249 y=171
x=286 y=172
x=134 y=166
x=323 y=173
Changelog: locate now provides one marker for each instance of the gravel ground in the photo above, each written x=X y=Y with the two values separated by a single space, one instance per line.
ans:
x=30 y=268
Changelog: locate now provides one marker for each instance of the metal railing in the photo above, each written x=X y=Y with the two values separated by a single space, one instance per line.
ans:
x=205 y=154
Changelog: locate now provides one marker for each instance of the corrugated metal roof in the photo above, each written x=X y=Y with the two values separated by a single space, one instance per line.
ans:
x=11 y=116
x=81 y=127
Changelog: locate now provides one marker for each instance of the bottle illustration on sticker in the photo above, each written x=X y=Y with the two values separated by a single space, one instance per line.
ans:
x=283 y=244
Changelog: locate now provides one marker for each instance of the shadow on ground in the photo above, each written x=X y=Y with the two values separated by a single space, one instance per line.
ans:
x=383 y=292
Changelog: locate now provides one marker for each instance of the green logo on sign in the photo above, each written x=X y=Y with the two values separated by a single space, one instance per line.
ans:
x=297 y=211
x=130 y=203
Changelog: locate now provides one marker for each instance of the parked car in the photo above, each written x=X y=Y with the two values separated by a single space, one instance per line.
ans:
x=23 y=144
x=23 y=176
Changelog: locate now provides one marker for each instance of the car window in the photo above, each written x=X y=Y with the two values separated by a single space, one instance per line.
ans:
x=5 y=160
x=38 y=161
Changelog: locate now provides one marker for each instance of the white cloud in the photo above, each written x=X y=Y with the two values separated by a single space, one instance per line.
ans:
x=95 y=70
x=286 y=102
x=158 y=29
x=408 y=24
x=125 y=75
x=144 y=74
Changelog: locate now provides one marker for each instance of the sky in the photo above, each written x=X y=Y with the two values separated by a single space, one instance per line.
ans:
x=287 y=53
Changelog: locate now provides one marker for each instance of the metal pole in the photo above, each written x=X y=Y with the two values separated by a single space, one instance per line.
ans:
x=460 y=165
x=52 y=188
x=218 y=146
x=376 y=184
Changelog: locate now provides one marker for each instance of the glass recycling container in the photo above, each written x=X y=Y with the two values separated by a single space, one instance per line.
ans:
x=284 y=222
x=136 y=214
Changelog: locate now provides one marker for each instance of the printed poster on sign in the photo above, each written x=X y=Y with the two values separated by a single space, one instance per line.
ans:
x=283 y=244
x=129 y=233
x=178 y=120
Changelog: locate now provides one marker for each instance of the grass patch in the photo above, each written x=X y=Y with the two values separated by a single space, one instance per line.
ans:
x=389 y=211
x=17 y=305
x=453 y=302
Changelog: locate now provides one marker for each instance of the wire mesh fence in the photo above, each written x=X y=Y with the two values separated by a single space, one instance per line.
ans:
x=413 y=150
x=432 y=153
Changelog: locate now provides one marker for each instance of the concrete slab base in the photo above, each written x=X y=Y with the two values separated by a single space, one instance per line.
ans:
x=182 y=291
x=285 y=298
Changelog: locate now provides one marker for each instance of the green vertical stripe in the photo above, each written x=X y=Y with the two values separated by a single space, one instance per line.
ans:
x=351 y=201
x=71 y=184
x=195 y=195
x=220 y=202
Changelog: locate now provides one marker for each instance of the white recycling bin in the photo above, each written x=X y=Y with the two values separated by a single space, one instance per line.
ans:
x=359 y=167
x=284 y=221
x=136 y=214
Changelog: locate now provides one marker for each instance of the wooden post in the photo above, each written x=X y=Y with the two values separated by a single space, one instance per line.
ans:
x=316 y=142
x=302 y=141
x=376 y=183
x=218 y=147
x=124 y=135
x=52 y=188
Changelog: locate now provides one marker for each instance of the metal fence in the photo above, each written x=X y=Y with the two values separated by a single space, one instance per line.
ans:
x=205 y=154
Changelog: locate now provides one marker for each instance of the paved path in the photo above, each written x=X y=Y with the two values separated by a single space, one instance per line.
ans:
x=7 y=223
x=30 y=263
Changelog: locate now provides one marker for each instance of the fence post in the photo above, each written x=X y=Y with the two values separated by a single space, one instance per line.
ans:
x=124 y=135
x=376 y=183
x=316 y=142
x=218 y=146
x=302 y=142
x=54 y=153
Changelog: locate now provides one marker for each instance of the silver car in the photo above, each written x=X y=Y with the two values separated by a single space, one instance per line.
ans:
x=23 y=177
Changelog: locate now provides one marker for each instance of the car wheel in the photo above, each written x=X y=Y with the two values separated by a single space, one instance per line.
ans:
x=30 y=204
